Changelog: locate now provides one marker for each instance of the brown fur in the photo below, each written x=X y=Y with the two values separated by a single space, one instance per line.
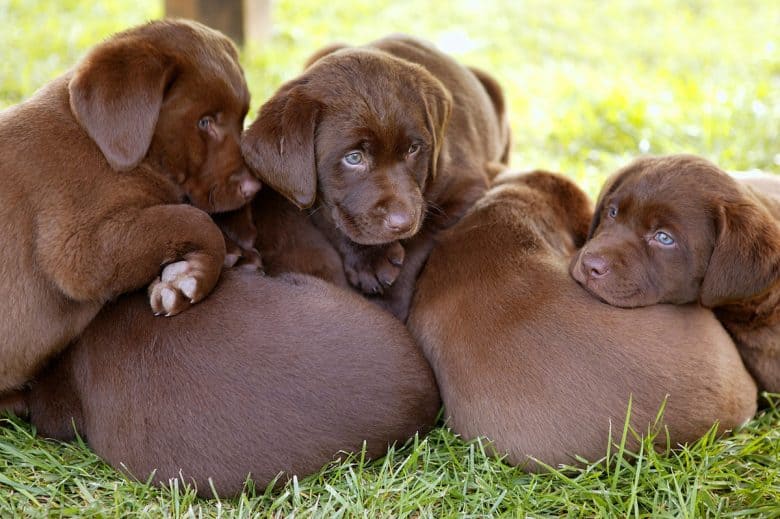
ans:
x=284 y=237
x=265 y=376
x=524 y=356
x=93 y=172
x=425 y=129
x=725 y=255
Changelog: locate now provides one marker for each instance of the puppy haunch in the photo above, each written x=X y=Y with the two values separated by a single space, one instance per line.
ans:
x=528 y=359
x=678 y=230
x=265 y=377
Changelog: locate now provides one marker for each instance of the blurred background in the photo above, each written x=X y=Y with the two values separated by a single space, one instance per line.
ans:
x=590 y=84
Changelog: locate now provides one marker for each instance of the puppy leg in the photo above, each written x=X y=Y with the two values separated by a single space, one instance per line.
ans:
x=125 y=251
x=238 y=229
x=398 y=298
x=369 y=268
x=15 y=403
x=372 y=268
x=764 y=365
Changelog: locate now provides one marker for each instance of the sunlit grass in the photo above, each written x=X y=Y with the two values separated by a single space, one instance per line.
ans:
x=590 y=85
x=432 y=477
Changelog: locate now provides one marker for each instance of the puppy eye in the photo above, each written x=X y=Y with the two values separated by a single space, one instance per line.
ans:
x=353 y=158
x=204 y=123
x=414 y=148
x=612 y=211
x=664 y=238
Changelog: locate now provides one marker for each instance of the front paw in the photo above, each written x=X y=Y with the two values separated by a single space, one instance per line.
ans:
x=371 y=269
x=180 y=285
x=236 y=256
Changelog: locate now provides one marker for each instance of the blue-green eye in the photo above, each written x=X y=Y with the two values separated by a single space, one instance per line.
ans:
x=664 y=238
x=353 y=158
x=612 y=211
x=204 y=123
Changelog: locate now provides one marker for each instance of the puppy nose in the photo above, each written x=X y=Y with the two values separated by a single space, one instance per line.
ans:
x=249 y=185
x=398 y=221
x=594 y=266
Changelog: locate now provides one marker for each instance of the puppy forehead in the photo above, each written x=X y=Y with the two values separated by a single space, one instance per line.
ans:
x=370 y=80
x=670 y=198
x=204 y=56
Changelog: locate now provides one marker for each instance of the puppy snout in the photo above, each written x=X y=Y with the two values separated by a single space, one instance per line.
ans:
x=399 y=221
x=248 y=185
x=594 y=266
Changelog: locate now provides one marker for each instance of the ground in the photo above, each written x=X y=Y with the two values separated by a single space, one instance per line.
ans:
x=590 y=85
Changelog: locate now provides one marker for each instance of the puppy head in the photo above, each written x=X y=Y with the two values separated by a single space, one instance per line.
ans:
x=171 y=93
x=362 y=133
x=677 y=230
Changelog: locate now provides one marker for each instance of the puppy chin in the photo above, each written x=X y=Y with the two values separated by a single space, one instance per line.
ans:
x=373 y=234
x=613 y=296
x=372 y=237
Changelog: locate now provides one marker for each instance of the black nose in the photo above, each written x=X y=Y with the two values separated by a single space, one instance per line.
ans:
x=594 y=266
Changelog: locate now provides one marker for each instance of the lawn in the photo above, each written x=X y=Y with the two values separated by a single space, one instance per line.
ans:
x=590 y=85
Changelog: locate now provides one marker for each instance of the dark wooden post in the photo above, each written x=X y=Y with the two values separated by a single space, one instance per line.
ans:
x=242 y=20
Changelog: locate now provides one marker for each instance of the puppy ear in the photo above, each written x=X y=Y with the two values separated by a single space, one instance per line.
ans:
x=438 y=108
x=745 y=259
x=325 y=51
x=115 y=94
x=279 y=145
x=571 y=203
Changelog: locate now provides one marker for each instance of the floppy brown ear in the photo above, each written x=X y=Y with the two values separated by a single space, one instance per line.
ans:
x=279 y=145
x=745 y=260
x=570 y=202
x=115 y=94
x=438 y=108
x=325 y=51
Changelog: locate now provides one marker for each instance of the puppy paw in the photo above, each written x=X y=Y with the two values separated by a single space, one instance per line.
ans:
x=371 y=269
x=247 y=259
x=180 y=285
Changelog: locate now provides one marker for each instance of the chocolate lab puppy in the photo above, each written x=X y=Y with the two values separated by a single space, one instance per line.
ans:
x=678 y=230
x=276 y=237
x=265 y=376
x=94 y=172
x=390 y=143
x=527 y=358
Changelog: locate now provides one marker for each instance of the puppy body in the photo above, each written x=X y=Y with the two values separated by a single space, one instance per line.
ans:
x=265 y=376
x=289 y=241
x=722 y=249
x=525 y=357
x=275 y=236
x=392 y=142
x=93 y=172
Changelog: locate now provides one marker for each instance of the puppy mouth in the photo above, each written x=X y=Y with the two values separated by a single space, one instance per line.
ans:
x=371 y=231
x=629 y=296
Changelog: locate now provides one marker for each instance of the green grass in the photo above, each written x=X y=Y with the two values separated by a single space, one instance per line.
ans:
x=432 y=477
x=590 y=85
